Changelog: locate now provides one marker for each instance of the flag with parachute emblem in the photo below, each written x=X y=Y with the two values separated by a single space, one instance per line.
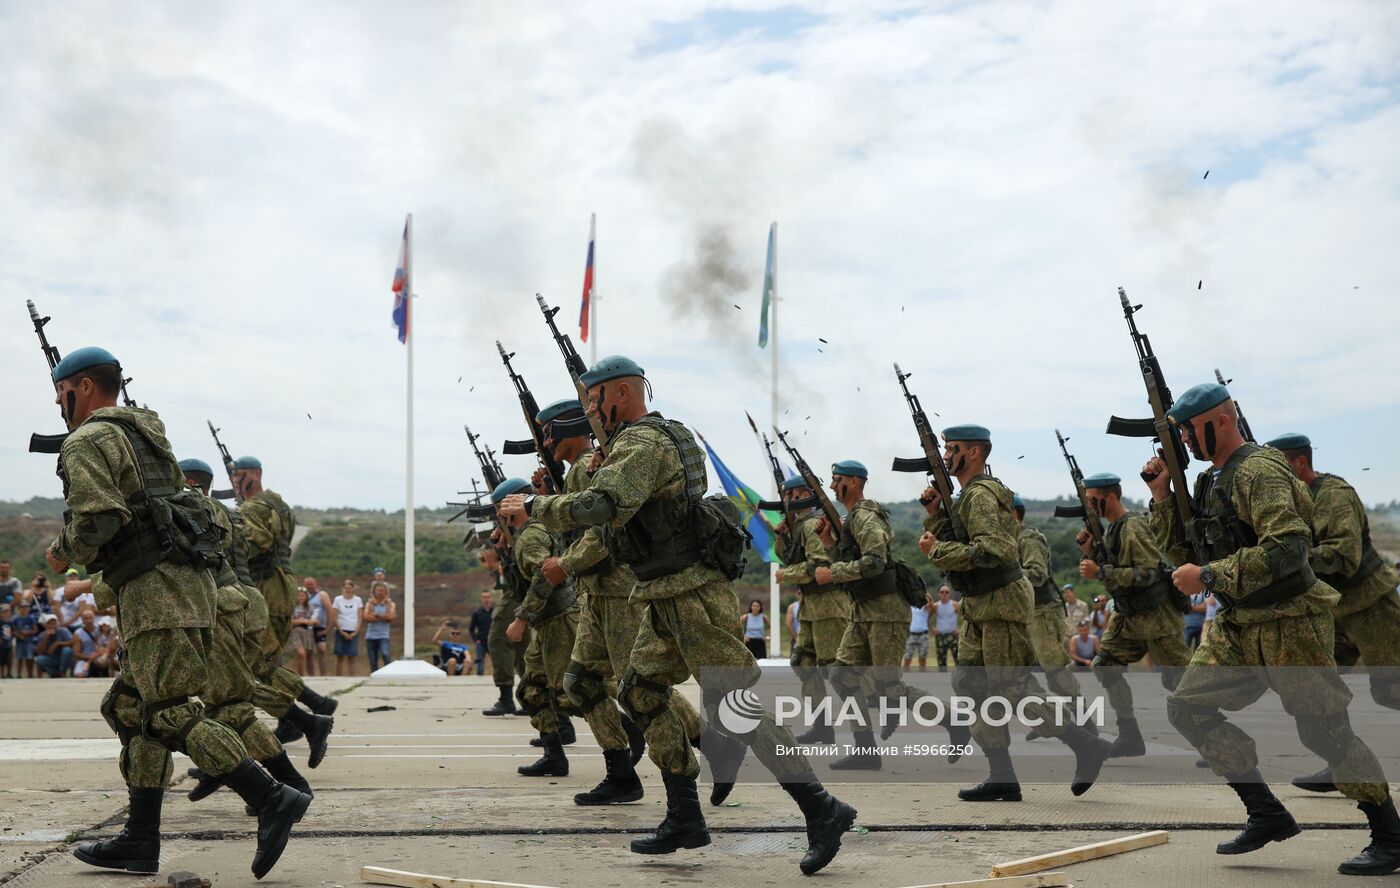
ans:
x=770 y=285
x=758 y=523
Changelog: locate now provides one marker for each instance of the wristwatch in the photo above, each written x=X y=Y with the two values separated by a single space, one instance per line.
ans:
x=1207 y=577
x=529 y=503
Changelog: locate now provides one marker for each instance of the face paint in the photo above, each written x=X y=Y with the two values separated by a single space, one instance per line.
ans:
x=71 y=402
x=1192 y=442
x=956 y=453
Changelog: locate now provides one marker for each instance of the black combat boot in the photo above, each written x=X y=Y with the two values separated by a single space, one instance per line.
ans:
x=278 y=806
x=725 y=755
x=567 y=735
x=621 y=783
x=827 y=819
x=317 y=730
x=282 y=770
x=137 y=848
x=287 y=731
x=1001 y=784
x=505 y=705
x=317 y=703
x=552 y=764
x=1128 y=743
x=636 y=739
x=684 y=824
x=1269 y=821
x=1322 y=781
x=1382 y=856
x=1090 y=753
x=204 y=786
x=864 y=758
x=817 y=734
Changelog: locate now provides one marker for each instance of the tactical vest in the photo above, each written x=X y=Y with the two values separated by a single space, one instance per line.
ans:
x=1141 y=599
x=847 y=549
x=1371 y=560
x=238 y=549
x=264 y=565
x=1216 y=531
x=794 y=552
x=168 y=523
x=1046 y=592
x=510 y=581
x=661 y=538
x=981 y=580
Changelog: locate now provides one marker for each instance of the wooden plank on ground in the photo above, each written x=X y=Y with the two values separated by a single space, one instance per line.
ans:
x=1039 y=880
x=1080 y=854
x=378 y=875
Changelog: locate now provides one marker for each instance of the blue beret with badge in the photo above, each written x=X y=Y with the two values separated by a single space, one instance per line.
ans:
x=610 y=368
x=558 y=409
x=508 y=487
x=970 y=432
x=83 y=359
x=1102 y=479
x=1197 y=400
x=1017 y=502
x=247 y=462
x=196 y=466
x=1290 y=441
x=850 y=468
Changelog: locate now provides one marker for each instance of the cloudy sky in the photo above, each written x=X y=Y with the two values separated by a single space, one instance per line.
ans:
x=216 y=193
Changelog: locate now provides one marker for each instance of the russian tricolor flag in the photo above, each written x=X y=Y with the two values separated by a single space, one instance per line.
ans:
x=401 y=289
x=587 y=281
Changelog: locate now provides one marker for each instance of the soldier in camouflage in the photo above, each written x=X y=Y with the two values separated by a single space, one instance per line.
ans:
x=1367 y=619
x=1148 y=611
x=825 y=609
x=507 y=657
x=648 y=495
x=131 y=517
x=1047 y=629
x=979 y=554
x=1247 y=542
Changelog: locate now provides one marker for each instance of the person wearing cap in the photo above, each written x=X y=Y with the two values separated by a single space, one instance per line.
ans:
x=53 y=648
x=978 y=552
x=550 y=611
x=1367 y=619
x=648 y=491
x=1247 y=541
x=822 y=619
x=237 y=643
x=1147 y=617
x=1048 y=618
x=607 y=620
x=116 y=466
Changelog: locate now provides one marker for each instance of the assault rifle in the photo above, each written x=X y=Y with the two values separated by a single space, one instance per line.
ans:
x=931 y=463
x=554 y=470
x=1158 y=426
x=54 y=443
x=779 y=478
x=493 y=475
x=1085 y=510
x=1244 y=423
x=227 y=458
x=573 y=363
x=814 y=484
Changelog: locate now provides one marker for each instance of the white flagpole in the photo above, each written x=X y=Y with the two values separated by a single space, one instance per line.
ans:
x=774 y=597
x=408 y=542
x=593 y=297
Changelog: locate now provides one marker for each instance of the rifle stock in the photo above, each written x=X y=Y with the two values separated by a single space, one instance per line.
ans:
x=45 y=443
x=932 y=461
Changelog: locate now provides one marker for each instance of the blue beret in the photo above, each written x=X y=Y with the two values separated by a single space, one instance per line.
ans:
x=850 y=468
x=1102 y=479
x=558 y=409
x=1017 y=502
x=83 y=359
x=611 y=367
x=247 y=462
x=508 y=487
x=1197 y=400
x=967 y=433
x=196 y=465
x=1290 y=441
x=796 y=482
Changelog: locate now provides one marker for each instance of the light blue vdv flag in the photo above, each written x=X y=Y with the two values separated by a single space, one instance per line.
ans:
x=770 y=284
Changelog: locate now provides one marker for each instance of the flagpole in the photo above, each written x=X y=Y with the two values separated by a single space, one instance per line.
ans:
x=593 y=297
x=408 y=542
x=774 y=588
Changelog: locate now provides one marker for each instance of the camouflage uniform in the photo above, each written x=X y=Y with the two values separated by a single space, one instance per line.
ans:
x=1368 y=616
x=1047 y=627
x=1288 y=624
x=825 y=609
x=1144 y=620
x=268 y=525
x=507 y=657
x=552 y=612
x=164 y=614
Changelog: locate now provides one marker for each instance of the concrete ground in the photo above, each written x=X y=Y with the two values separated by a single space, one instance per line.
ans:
x=430 y=786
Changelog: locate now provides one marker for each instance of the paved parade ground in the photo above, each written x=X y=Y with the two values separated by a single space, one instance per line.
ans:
x=430 y=786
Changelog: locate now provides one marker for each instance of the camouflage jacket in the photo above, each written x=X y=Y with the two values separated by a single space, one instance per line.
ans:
x=818 y=602
x=1271 y=500
x=1338 y=519
x=1136 y=565
x=102 y=475
x=533 y=547
x=985 y=512
x=641 y=464
x=264 y=529
x=615 y=580
x=1033 y=551
x=869 y=527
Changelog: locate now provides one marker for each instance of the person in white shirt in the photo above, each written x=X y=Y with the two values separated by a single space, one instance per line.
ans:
x=348 y=625
x=917 y=644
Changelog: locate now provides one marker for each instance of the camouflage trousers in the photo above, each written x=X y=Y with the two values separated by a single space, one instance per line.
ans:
x=546 y=661
x=231 y=681
x=697 y=633
x=995 y=659
x=1373 y=634
x=817 y=644
x=1291 y=656
x=507 y=657
x=1047 y=639
x=149 y=708
x=877 y=652
x=1120 y=647
x=946 y=646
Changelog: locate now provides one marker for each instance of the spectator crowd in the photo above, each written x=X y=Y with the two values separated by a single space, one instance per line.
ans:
x=54 y=631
